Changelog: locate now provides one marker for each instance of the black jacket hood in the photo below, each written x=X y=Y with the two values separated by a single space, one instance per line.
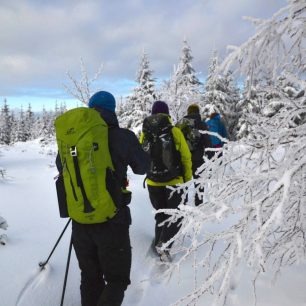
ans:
x=109 y=117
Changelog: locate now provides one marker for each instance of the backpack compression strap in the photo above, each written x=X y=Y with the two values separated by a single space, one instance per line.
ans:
x=87 y=206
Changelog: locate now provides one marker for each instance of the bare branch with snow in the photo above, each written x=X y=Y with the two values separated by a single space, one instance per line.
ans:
x=81 y=89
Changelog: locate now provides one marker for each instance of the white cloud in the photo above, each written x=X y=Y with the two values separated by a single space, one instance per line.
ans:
x=40 y=42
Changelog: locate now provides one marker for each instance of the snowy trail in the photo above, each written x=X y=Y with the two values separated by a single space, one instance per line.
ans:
x=29 y=205
x=29 y=290
x=32 y=193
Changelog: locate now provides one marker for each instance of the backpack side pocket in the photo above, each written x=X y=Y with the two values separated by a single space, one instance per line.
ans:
x=61 y=197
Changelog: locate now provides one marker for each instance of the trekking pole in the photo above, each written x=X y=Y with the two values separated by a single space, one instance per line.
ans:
x=43 y=263
x=66 y=272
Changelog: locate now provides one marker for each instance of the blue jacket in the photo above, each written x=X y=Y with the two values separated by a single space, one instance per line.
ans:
x=215 y=125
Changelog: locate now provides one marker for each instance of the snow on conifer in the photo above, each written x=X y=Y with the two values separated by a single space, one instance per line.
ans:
x=183 y=87
x=221 y=95
x=253 y=213
x=139 y=104
x=6 y=124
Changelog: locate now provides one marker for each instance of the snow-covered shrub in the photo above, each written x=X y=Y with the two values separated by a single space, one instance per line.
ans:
x=138 y=105
x=253 y=208
x=183 y=88
x=253 y=212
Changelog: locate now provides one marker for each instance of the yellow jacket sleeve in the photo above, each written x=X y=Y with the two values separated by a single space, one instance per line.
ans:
x=141 y=137
x=182 y=147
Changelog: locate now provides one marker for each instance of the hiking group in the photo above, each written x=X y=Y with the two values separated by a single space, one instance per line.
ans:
x=92 y=185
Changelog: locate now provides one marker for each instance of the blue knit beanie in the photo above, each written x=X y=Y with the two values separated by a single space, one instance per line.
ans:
x=160 y=107
x=103 y=99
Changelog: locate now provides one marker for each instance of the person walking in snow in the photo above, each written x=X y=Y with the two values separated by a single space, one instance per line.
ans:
x=170 y=165
x=191 y=125
x=103 y=249
x=216 y=125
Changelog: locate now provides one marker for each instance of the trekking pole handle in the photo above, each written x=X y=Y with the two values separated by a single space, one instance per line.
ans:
x=42 y=264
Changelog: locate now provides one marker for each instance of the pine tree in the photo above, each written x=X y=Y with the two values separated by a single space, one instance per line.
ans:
x=29 y=123
x=21 y=127
x=45 y=125
x=183 y=87
x=232 y=110
x=185 y=73
x=213 y=96
x=6 y=124
x=139 y=104
x=221 y=95
x=14 y=126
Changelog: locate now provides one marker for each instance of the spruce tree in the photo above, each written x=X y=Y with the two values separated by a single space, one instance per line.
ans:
x=6 y=124
x=221 y=95
x=185 y=73
x=29 y=123
x=139 y=104
x=14 y=126
x=21 y=127
x=183 y=87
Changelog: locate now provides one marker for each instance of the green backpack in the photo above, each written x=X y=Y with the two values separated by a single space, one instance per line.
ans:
x=82 y=140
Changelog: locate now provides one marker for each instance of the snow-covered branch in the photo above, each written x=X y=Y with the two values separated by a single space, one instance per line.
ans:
x=81 y=89
x=253 y=209
x=278 y=45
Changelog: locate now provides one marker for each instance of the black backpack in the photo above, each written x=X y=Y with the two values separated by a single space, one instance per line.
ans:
x=191 y=133
x=159 y=144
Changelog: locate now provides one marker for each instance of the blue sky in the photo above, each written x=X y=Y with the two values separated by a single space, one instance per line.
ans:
x=41 y=41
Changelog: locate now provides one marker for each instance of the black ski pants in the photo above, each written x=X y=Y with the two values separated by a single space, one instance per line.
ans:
x=104 y=255
x=160 y=199
x=195 y=165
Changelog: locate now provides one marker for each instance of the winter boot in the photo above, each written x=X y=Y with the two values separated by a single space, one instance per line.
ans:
x=164 y=255
x=154 y=248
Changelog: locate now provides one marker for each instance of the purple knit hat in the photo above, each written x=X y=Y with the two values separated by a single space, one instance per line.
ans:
x=160 y=107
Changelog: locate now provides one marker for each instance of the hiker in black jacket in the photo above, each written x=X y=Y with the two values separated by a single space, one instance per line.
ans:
x=170 y=166
x=103 y=250
x=193 y=112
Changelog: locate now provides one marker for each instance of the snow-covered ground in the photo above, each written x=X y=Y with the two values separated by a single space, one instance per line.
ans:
x=28 y=203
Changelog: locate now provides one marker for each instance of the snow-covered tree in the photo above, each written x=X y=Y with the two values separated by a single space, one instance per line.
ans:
x=29 y=123
x=82 y=89
x=263 y=100
x=146 y=92
x=6 y=124
x=286 y=86
x=253 y=214
x=45 y=125
x=213 y=82
x=185 y=73
x=221 y=95
x=252 y=101
x=278 y=45
x=14 y=126
x=139 y=104
x=183 y=87
x=21 y=134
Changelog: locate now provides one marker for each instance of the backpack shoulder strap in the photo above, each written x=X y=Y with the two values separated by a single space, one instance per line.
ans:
x=87 y=206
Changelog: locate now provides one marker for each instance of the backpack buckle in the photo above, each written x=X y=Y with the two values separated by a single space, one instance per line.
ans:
x=73 y=151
